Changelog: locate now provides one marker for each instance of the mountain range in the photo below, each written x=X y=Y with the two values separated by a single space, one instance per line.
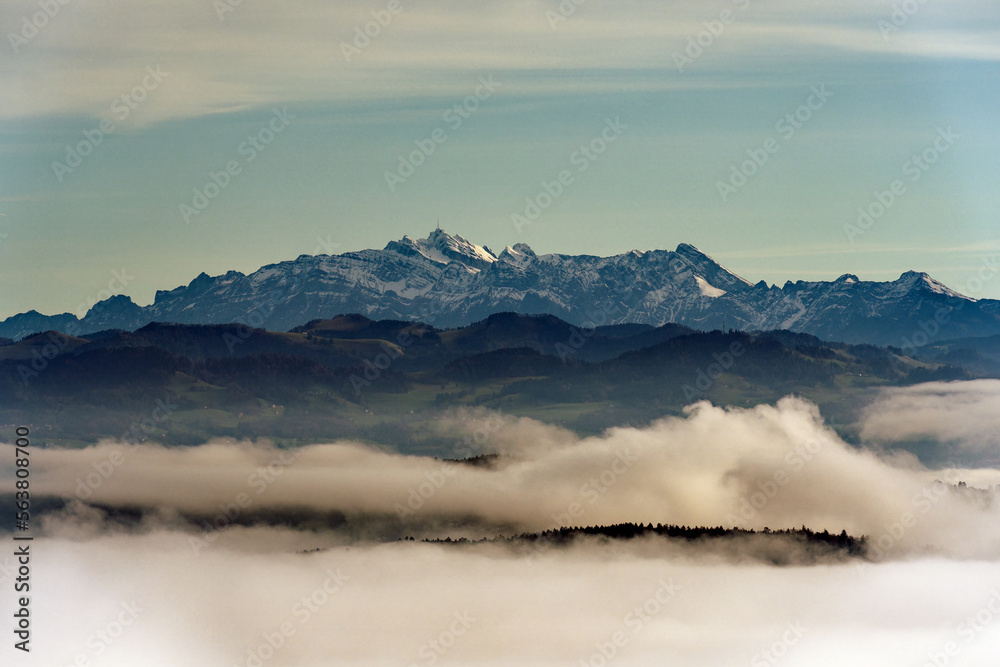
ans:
x=447 y=281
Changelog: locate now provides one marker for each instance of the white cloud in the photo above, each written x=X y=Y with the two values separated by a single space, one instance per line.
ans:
x=963 y=413
x=211 y=603
x=292 y=53
x=776 y=466
x=485 y=607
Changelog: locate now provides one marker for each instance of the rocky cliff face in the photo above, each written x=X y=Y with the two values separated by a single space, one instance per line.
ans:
x=446 y=280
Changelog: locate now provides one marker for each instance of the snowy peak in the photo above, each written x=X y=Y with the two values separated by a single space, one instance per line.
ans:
x=413 y=248
x=441 y=247
x=709 y=270
x=913 y=277
x=446 y=280
x=519 y=254
x=688 y=250
x=524 y=249
x=459 y=248
x=918 y=280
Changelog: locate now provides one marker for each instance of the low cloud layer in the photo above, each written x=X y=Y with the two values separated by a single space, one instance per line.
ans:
x=770 y=466
x=963 y=414
x=148 y=600
x=166 y=592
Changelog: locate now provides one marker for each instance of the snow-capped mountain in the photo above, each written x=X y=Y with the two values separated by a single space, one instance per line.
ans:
x=446 y=280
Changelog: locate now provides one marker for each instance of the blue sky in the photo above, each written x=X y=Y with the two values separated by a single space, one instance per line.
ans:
x=199 y=81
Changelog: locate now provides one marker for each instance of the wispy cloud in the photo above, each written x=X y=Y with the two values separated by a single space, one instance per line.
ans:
x=827 y=250
x=961 y=413
x=265 y=54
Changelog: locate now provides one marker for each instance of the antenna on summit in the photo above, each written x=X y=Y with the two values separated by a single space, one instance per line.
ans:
x=439 y=225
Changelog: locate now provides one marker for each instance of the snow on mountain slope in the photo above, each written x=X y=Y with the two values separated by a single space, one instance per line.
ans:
x=447 y=280
x=708 y=290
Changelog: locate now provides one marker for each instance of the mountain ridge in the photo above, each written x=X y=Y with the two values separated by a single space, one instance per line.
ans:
x=447 y=281
x=389 y=380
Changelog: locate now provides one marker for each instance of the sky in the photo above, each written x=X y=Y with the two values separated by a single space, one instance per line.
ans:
x=752 y=129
